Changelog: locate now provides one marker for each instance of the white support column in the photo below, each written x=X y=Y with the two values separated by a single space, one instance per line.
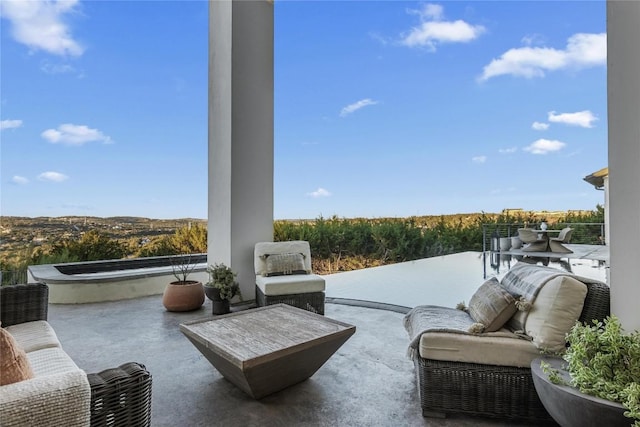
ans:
x=623 y=93
x=240 y=203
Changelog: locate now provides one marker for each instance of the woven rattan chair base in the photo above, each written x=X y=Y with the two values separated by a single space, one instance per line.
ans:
x=478 y=390
x=311 y=301
x=121 y=396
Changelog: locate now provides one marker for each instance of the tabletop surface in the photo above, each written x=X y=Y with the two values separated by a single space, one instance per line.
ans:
x=262 y=331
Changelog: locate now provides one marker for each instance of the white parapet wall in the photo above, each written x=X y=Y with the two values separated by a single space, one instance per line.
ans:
x=89 y=284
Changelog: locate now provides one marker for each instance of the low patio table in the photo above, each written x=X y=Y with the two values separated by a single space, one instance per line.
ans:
x=267 y=349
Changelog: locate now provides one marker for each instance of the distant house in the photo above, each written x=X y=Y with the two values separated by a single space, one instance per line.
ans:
x=600 y=180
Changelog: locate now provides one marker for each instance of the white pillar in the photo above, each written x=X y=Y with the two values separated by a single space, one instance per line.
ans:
x=623 y=93
x=240 y=206
x=607 y=216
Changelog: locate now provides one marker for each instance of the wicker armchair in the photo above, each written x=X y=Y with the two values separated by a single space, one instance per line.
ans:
x=301 y=289
x=119 y=396
x=493 y=391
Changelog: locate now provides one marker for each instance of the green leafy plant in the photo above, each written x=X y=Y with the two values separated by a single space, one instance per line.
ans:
x=603 y=361
x=553 y=374
x=223 y=278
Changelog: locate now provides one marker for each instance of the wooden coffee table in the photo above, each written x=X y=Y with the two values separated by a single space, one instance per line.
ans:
x=267 y=349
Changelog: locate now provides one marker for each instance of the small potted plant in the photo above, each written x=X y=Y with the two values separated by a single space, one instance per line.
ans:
x=221 y=287
x=183 y=294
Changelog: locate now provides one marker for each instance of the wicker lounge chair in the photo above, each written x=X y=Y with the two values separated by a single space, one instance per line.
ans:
x=119 y=396
x=447 y=386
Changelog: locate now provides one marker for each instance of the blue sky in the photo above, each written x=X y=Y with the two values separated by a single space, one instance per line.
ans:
x=381 y=108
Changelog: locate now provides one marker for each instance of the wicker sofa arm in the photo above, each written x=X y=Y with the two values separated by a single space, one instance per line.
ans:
x=121 y=396
x=51 y=400
x=23 y=303
x=597 y=303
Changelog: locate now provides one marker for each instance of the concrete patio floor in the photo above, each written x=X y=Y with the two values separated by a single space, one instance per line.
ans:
x=369 y=381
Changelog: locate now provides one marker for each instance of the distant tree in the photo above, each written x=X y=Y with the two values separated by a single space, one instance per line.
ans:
x=59 y=256
x=158 y=246
x=92 y=246
x=190 y=239
x=186 y=240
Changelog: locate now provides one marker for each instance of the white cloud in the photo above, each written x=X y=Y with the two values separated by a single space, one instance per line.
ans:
x=40 y=24
x=479 y=159
x=429 y=11
x=10 y=124
x=379 y=38
x=544 y=146
x=70 y=134
x=50 y=68
x=507 y=150
x=21 y=180
x=433 y=30
x=540 y=126
x=583 y=119
x=582 y=51
x=532 y=39
x=356 y=106
x=52 y=176
x=320 y=192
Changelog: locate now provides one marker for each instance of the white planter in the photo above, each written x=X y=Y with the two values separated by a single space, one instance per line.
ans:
x=516 y=243
x=505 y=243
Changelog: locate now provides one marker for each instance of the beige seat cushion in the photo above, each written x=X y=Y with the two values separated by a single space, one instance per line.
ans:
x=14 y=364
x=554 y=312
x=291 y=284
x=35 y=335
x=501 y=348
x=50 y=361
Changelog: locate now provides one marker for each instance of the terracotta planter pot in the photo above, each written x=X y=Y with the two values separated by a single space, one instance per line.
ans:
x=183 y=296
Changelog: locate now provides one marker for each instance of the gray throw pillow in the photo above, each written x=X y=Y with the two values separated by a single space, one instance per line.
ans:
x=284 y=264
x=492 y=305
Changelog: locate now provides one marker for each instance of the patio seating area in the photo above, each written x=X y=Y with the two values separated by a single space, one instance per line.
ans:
x=368 y=381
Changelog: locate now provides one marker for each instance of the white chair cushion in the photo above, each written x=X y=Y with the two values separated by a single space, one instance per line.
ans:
x=34 y=336
x=291 y=284
x=50 y=361
x=47 y=401
x=554 y=312
x=501 y=348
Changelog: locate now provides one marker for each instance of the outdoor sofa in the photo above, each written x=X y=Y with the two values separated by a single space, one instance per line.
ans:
x=59 y=393
x=476 y=360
